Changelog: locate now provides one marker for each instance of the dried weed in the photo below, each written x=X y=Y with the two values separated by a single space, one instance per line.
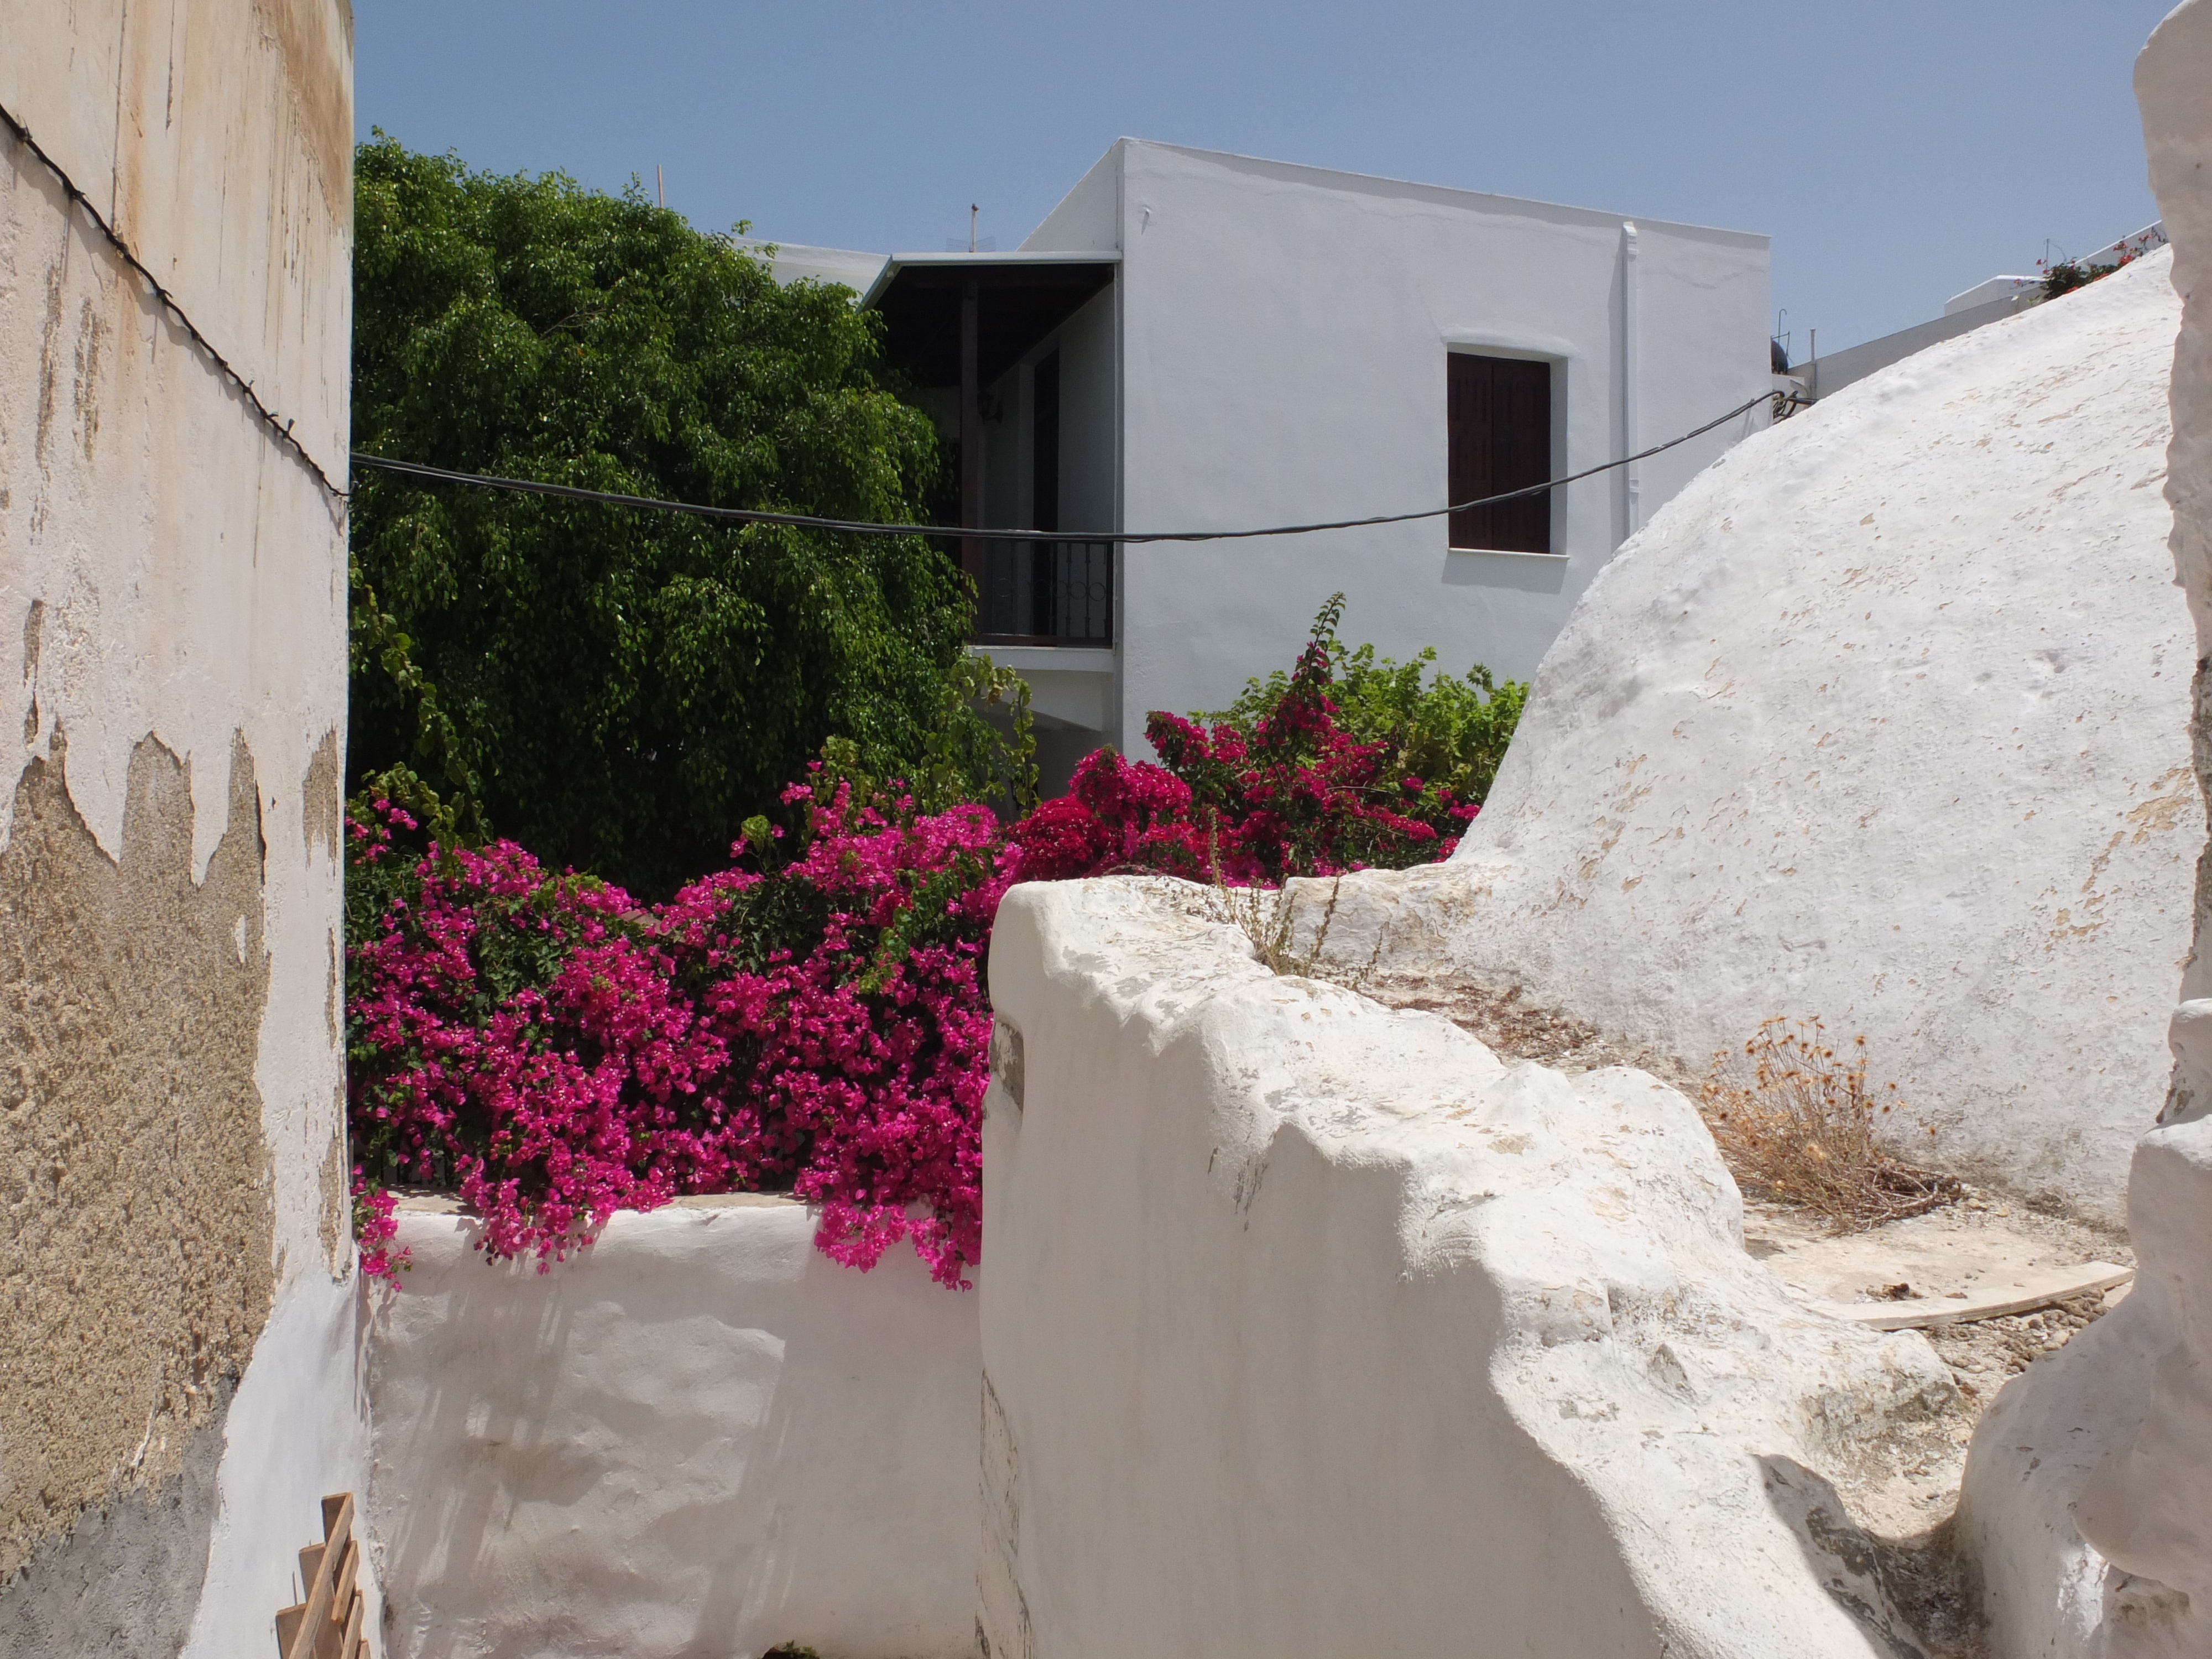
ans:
x=1796 y=1122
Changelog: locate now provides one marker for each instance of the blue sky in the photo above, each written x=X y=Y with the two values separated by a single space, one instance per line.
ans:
x=1896 y=150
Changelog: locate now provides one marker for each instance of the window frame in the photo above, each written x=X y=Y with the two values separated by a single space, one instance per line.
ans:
x=1555 y=518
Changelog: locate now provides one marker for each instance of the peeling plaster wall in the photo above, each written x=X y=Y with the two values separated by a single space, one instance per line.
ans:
x=178 y=1357
x=135 y=1195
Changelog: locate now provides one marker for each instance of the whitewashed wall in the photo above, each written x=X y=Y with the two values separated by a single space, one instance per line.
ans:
x=699 y=1437
x=1310 y=1329
x=1284 y=335
x=173 y=681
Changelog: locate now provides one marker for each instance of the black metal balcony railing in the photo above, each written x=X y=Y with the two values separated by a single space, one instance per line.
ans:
x=1044 y=593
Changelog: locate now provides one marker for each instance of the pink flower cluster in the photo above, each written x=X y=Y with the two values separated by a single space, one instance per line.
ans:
x=1297 y=796
x=556 y=1052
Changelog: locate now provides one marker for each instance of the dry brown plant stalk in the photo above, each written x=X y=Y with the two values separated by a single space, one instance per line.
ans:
x=1795 y=1122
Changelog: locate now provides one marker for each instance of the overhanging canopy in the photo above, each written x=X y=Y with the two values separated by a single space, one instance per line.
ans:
x=1021 y=298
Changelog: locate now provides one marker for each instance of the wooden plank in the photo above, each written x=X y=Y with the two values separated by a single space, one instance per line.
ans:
x=343 y=1595
x=355 y=1645
x=1921 y=1313
x=308 y=1630
x=315 y=1564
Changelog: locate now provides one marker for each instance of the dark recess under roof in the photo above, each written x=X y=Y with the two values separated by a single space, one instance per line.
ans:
x=1017 y=306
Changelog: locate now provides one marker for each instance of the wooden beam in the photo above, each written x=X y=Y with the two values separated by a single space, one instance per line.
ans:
x=971 y=433
x=355 y=1643
x=315 y=1611
x=344 y=1595
x=1921 y=1313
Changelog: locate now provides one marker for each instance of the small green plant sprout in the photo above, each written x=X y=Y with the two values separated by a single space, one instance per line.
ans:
x=1269 y=918
x=1795 y=1122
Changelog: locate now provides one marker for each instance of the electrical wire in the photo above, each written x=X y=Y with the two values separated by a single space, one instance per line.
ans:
x=1128 y=538
x=281 y=429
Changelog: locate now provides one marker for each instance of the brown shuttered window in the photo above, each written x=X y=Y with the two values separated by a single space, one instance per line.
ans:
x=1500 y=417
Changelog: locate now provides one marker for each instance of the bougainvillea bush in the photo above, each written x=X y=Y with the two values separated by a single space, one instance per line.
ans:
x=1307 y=774
x=811 y=1019
x=1450 y=730
x=555 y=1053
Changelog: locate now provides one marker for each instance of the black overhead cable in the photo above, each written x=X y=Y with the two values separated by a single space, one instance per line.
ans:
x=280 y=428
x=863 y=527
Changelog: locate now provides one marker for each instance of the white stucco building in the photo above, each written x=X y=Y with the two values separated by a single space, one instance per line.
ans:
x=1195 y=340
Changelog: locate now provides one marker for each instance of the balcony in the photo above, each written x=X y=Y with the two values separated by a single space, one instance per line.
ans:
x=1043 y=593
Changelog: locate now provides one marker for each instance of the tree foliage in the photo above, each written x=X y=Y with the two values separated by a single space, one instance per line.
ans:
x=620 y=689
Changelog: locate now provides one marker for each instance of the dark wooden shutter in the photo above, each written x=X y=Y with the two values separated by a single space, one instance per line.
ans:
x=1499 y=413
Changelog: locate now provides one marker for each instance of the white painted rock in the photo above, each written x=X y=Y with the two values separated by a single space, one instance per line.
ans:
x=2087 y=1502
x=1311 y=1328
x=1884 y=720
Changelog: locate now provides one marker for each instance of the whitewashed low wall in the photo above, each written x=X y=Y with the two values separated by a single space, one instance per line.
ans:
x=1310 y=1327
x=700 y=1437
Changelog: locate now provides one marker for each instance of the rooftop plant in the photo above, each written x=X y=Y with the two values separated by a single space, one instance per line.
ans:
x=2065 y=275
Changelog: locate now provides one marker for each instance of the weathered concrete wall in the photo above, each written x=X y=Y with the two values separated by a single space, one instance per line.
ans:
x=700 y=1437
x=2087 y=1499
x=1310 y=1329
x=177 y=1309
x=1883 y=719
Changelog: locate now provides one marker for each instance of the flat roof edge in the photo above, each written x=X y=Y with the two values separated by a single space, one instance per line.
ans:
x=894 y=262
x=1348 y=179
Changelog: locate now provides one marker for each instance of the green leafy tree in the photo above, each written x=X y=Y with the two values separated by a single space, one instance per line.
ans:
x=622 y=689
x=1445 y=730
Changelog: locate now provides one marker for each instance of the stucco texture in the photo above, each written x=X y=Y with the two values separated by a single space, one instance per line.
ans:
x=136 y=1196
x=1309 y=1327
x=125 y=1578
x=1884 y=720
x=700 y=1436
